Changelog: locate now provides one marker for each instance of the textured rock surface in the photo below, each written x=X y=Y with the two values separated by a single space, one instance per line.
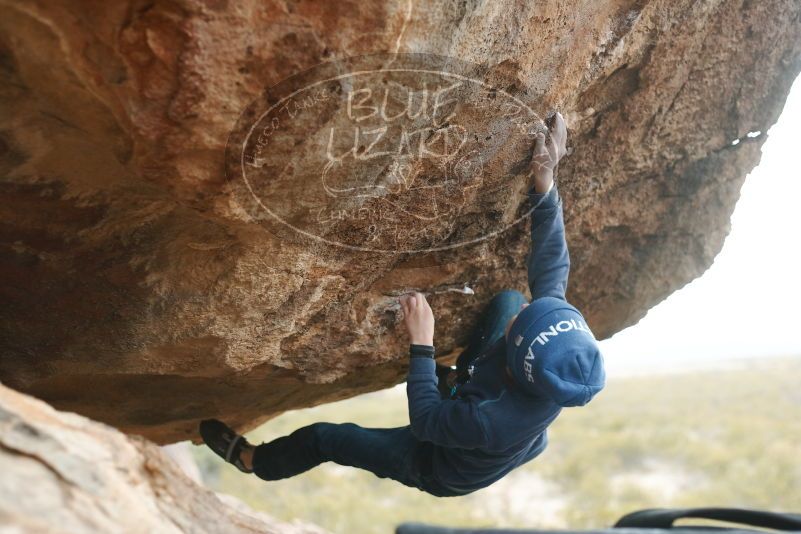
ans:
x=63 y=473
x=135 y=292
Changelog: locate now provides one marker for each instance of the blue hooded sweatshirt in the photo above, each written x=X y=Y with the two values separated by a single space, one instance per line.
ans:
x=492 y=426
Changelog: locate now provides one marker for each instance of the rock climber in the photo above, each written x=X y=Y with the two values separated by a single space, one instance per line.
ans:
x=469 y=426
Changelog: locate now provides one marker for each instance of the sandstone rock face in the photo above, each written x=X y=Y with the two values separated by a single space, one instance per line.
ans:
x=63 y=473
x=140 y=289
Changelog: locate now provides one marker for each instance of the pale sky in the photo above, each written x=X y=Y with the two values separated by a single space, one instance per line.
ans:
x=747 y=303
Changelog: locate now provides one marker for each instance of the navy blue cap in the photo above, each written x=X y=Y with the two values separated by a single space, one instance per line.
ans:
x=552 y=352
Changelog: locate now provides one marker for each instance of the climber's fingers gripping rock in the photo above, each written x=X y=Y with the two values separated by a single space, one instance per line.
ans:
x=548 y=150
x=418 y=317
x=558 y=130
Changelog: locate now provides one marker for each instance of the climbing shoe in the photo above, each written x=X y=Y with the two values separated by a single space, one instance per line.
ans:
x=225 y=443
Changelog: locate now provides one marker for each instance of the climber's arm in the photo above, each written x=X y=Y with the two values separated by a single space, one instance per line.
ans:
x=548 y=262
x=448 y=422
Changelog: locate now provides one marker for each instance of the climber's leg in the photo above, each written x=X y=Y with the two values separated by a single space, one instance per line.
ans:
x=503 y=306
x=386 y=452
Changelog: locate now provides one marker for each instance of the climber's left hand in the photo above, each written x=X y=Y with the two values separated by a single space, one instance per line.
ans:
x=418 y=317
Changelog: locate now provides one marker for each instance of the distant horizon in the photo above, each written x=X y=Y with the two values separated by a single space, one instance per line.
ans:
x=696 y=366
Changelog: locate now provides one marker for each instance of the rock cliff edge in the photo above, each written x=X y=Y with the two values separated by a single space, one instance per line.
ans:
x=138 y=291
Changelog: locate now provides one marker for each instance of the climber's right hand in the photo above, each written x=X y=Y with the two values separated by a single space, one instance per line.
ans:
x=418 y=317
x=548 y=150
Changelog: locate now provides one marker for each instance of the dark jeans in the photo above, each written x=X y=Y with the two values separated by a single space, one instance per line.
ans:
x=386 y=452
